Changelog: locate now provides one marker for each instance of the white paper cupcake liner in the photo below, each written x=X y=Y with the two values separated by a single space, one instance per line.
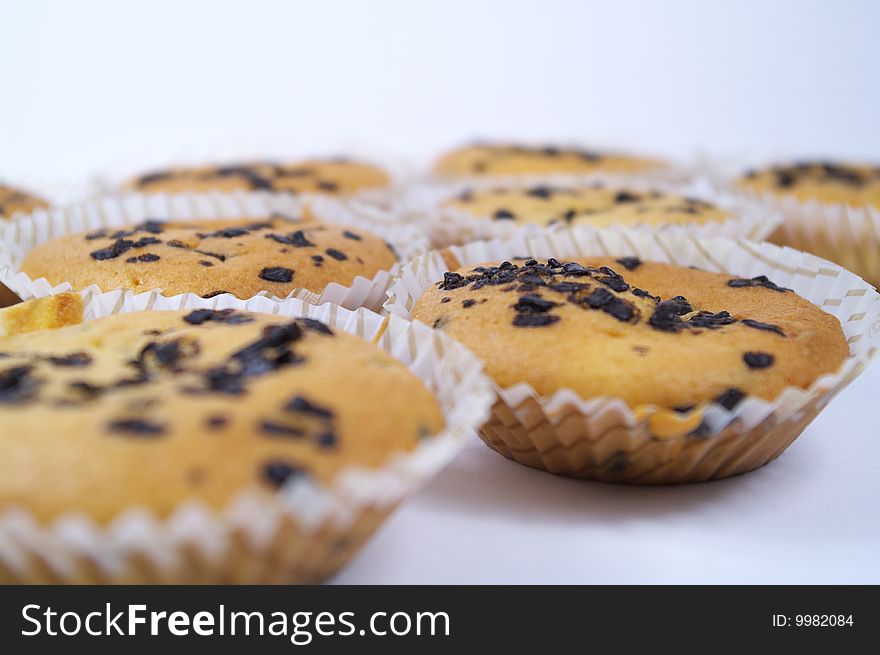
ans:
x=846 y=235
x=22 y=234
x=604 y=438
x=422 y=205
x=305 y=533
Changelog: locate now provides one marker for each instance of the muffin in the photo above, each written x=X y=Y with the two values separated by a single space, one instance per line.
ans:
x=597 y=205
x=13 y=201
x=324 y=176
x=829 y=209
x=503 y=159
x=209 y=258
x=674 y=344
x=828 y=182
x=275 y=433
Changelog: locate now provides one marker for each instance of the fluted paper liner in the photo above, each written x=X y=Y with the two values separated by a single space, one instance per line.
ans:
x=604 y=438
x=847 y=235
x=422 y=205
x=22 y=234
x=306 y=532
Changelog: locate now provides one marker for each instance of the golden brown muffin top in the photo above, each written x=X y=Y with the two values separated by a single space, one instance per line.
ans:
x=587 y=205
x=649 y=333
x=856 y=185
x=518 y=159
x=242 y=257
x=153 y=408
x=13 y=200
x=337 y=176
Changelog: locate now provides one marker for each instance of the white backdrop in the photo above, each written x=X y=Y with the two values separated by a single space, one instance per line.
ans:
x=89 y=84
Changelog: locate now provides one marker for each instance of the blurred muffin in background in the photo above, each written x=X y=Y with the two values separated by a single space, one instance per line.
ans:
x=831 y=209
x=487 y=159
x=14 y=200
x=332 y=176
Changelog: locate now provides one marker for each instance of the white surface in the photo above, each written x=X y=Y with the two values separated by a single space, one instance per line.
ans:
x=810 y=516
x=96 y=85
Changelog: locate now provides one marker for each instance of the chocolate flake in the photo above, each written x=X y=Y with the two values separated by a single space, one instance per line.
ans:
x=297 y=239
x=145 y=258
x=303 y=406
x=72 y=360
x=730 y=398
x=276 y=274
x=278 y=472
x=534 y=320
x=273 y=429
x=348 y=234
x=228 y=316
x=629 y=263
x=758 y=360
x=758 y=325
x=336 y=254
x=504 y=215
x=137 y=427
x=759 y=281
x=112 y=251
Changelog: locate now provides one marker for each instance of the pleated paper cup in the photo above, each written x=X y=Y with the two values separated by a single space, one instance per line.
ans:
x=842 y=233
x=25 y=232
x=603 y=438
x=303 y=534
x=423 y=206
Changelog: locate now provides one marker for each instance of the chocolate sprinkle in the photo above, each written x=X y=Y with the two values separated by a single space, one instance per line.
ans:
x=277 y=472
x=72 y=360
x=758 y=360
x=304 y=406
x=629 y=263
x=228 y=316
x=336 y=254
x=534 y=320
x=136 y=427
x=504 y=215
x=280 y=430
x=351 y=235
x=276 y=274
x=297 y=239
x=758 y=325
x=730 y=398
x=145 y=258
x=759 y=281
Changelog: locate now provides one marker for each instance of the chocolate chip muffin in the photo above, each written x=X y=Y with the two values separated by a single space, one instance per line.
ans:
x=590 y=205
x=829 y=209
x=208 y=258
x=827 y=182
x=517 y=159
x=151 y=409
x=13 y=201
x=324 y=176
x=649 y=333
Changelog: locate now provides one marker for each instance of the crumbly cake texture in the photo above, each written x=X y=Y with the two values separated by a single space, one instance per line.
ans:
x=588 y=205
x=649 y=333
x=14 y=200
x=151 y=409
x=325 y=176
x=209 y=258
x=829 y=182
x=517 y=159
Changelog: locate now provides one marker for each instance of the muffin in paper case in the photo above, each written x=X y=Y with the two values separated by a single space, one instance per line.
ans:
x=306 y=532
x=23 y=233
x=603 y=438
x=423 y=205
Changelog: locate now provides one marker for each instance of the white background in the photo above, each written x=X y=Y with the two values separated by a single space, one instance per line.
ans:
x=92 y=86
